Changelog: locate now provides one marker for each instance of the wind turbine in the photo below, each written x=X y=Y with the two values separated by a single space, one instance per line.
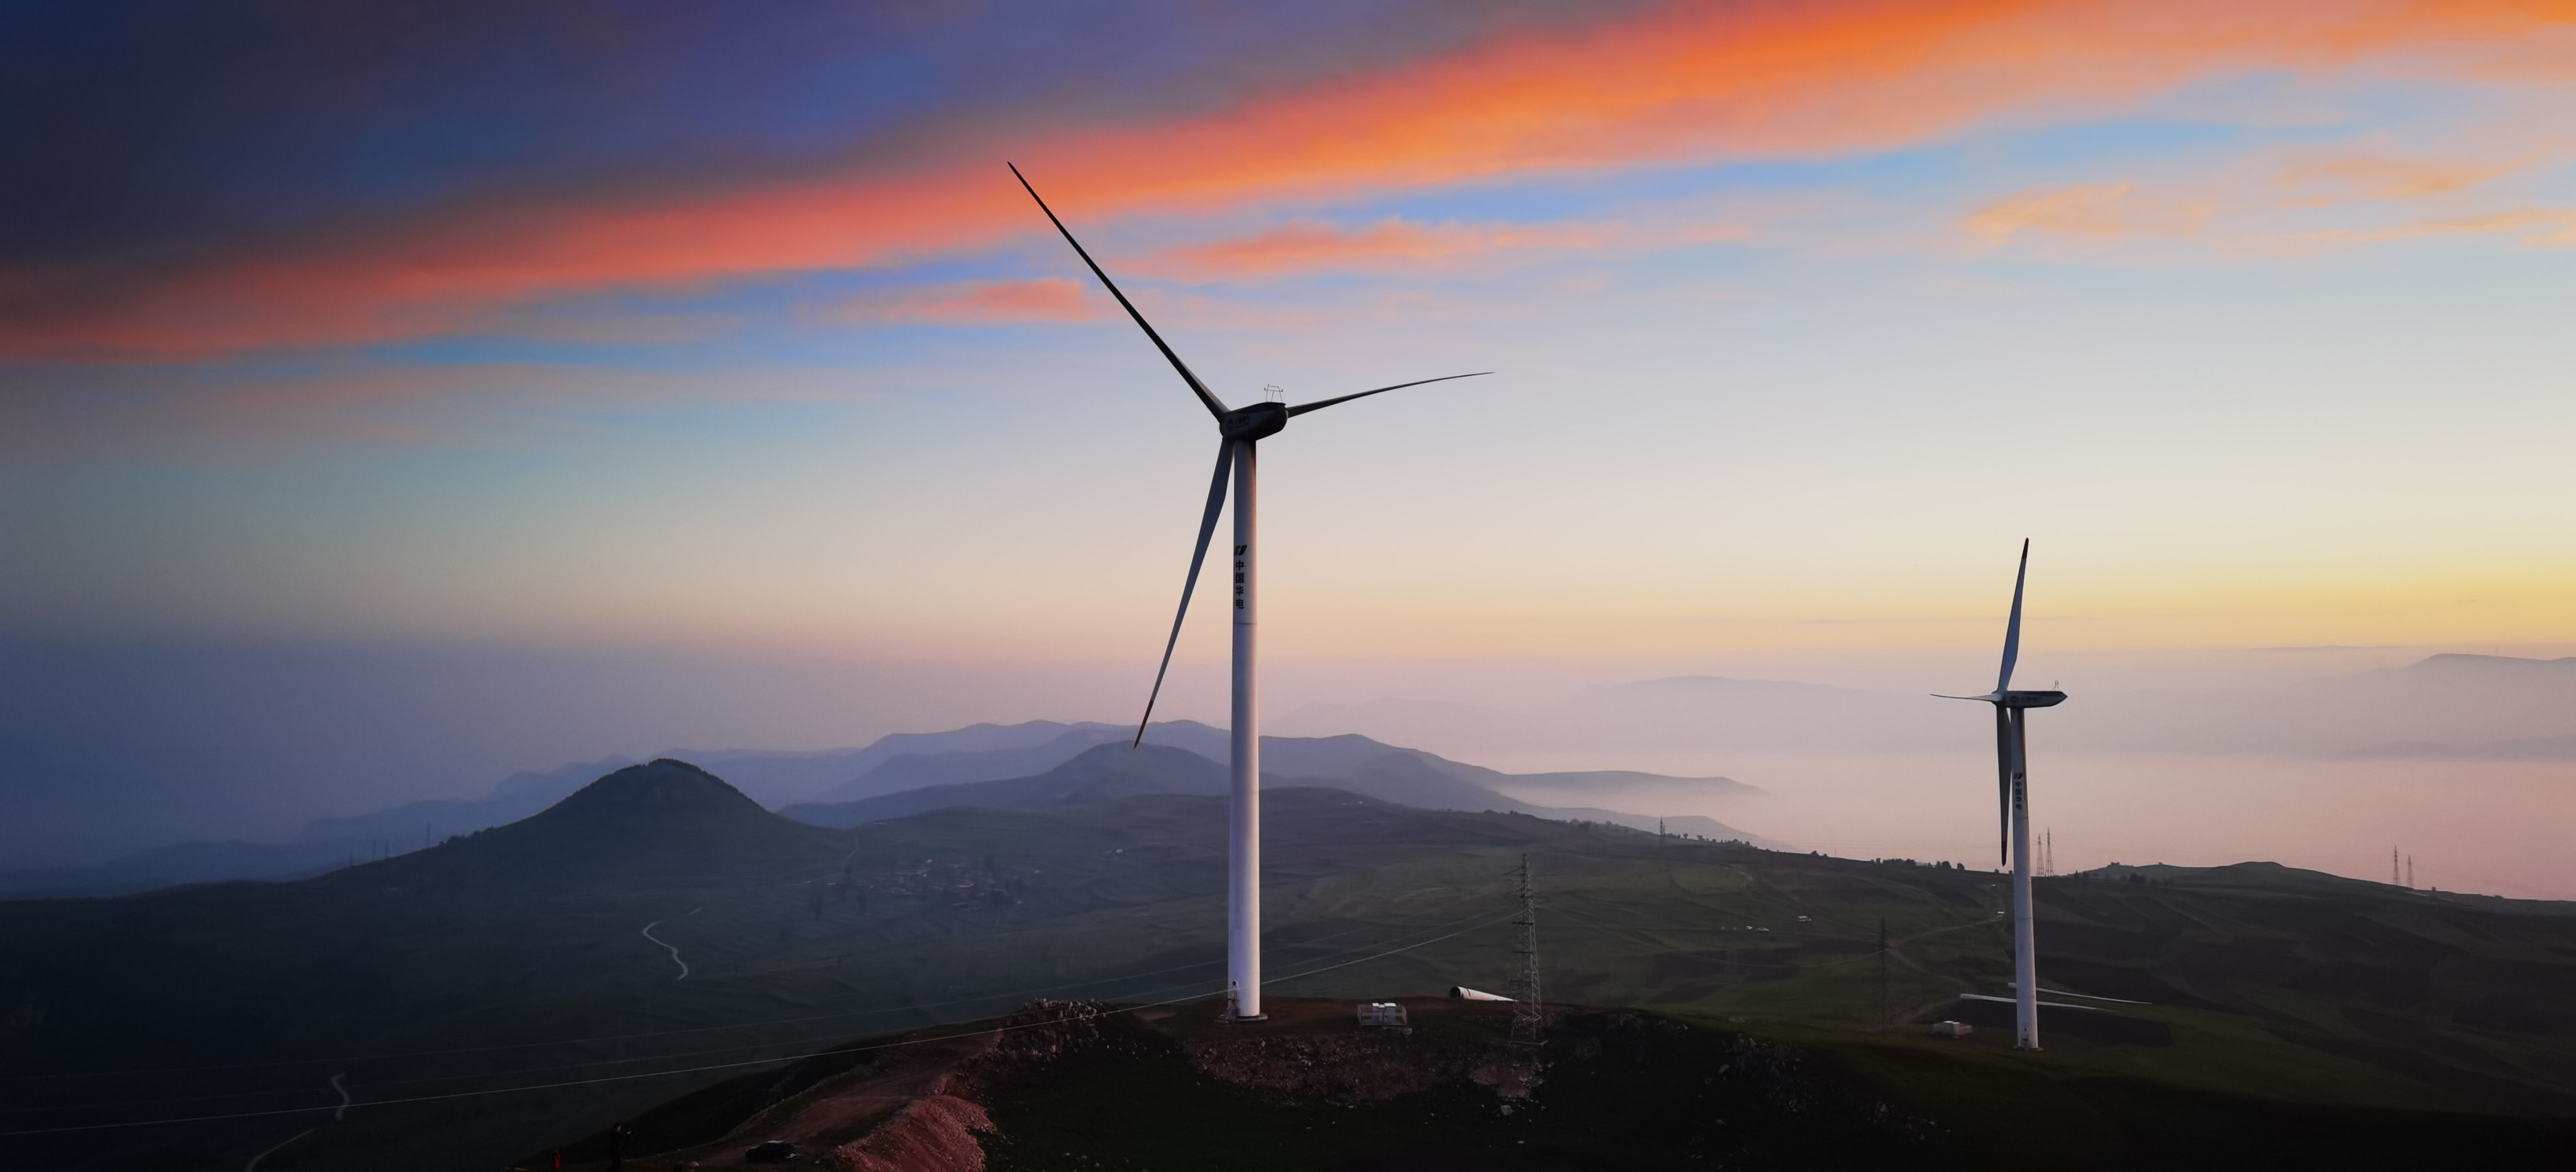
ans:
x=2012 y=796
x=1239 y=429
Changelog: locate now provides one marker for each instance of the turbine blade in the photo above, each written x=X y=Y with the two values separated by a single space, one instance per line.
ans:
x=1198 y=557
x=2012 y=626
x=1303 y=408
x=2003 y=785
x=1207 y=398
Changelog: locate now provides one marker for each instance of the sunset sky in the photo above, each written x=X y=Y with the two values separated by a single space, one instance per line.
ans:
x=639 y=329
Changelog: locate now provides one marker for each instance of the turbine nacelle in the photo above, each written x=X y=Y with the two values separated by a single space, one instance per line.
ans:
x=1254 y=422
x=2015 y=699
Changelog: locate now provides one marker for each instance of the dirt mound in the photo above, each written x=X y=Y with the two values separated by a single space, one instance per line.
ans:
x=936 y=1134
x=1345 y=1068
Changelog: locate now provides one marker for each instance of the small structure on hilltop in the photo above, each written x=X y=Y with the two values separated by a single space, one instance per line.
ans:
x=1384 y=1015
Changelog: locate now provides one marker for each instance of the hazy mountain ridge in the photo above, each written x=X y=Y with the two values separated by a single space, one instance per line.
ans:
x=2443 y=707
x=1098 y=773
x=1357 y=764
x=893 y=764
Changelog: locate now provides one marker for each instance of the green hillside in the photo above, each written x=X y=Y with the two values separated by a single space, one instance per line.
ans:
x=498 y=994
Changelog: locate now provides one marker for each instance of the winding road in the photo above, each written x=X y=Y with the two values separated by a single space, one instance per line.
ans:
x=253 y=1166
x=336 y=1113
x=675 y=953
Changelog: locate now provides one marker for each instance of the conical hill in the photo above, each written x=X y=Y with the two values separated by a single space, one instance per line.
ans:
x=667 y=820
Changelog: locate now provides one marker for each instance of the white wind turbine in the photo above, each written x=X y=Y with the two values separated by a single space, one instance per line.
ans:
x=1238 y=429
x=2013 y=795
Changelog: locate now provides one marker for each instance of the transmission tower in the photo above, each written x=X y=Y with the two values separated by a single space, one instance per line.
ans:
x=1529 y=1012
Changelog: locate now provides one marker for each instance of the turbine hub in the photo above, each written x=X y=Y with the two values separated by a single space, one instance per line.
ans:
x=1252 y=422
x=2018 y=699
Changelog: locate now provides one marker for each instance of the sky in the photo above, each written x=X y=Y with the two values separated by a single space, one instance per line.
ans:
x=391 y=397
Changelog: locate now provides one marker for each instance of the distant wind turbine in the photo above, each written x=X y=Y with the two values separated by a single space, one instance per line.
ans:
x=2012 y=795
x=1238 y=429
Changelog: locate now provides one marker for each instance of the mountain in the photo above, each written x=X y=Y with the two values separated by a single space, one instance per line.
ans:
x=1099 y=773
x=1406 y=777
x=931 y=766
x=2494 y=666
x=667 y=819
x=977 y=752
x=2477 y=706
x=1347 y=757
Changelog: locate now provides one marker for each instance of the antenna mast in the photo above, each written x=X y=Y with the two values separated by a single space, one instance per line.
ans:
x=1529 y=1015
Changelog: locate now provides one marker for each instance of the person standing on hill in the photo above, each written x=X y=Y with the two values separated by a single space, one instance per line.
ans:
x=617 y=1148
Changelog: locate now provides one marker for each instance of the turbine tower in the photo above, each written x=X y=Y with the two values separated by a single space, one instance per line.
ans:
x=2013 y=798
x=1239 y=430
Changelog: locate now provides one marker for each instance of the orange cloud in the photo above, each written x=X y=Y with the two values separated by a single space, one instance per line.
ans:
x=2546 y=227
x=2381 y=177
x=2100 y=210
x=973 y=304
x=1693 y=83
x=2090 y=209
x=1300 y=247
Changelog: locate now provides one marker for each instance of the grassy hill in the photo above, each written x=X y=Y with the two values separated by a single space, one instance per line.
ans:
x=1066 y=1087
x=499 y=994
